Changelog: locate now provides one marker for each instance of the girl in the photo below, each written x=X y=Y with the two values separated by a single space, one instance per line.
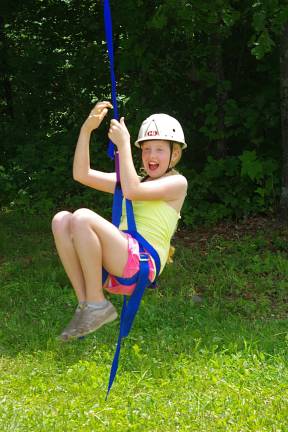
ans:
x=85 y=241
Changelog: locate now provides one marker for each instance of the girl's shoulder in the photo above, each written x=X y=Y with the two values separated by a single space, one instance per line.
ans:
x=180 y=186
x=180 y=178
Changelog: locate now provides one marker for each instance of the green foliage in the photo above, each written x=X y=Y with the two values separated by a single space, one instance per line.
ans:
x=43 y=182
x=7 y=189
x=202 y=71
x=268 y=19
x=234 y=187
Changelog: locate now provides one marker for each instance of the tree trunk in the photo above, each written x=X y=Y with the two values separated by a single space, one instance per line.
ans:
x=7 y=90
x=221 y=95
x=283 y=210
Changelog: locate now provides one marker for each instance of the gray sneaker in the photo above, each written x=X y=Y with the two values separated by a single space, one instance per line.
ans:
x=91 y=319
x=70 y=331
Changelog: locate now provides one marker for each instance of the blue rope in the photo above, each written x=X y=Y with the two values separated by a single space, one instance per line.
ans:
x=128 y=314
x=109 y=40
x=131 y=307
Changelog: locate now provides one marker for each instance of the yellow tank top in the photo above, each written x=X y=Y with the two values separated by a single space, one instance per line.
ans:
x=156 y=221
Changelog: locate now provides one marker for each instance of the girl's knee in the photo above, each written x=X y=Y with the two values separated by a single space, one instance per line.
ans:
x=81 y=218
x=61 y=222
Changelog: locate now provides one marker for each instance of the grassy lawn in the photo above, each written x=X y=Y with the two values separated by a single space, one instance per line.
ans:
x=219 y=364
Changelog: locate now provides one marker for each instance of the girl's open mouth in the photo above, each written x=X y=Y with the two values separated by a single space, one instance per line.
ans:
x=153 y=166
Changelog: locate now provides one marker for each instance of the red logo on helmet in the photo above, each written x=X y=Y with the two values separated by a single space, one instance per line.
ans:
x=152 y=133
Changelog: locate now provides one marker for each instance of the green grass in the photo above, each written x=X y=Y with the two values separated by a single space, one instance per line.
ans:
x=218 y=365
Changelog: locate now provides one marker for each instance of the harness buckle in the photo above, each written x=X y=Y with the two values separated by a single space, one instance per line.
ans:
x=143 y=256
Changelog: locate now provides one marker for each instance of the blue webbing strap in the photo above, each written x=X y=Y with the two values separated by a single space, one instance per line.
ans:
x=130 y=216
x=117 y=205
x=109 y=40
x=128 y=313
x=129 y=309
x=141 y=279
x=116 y=217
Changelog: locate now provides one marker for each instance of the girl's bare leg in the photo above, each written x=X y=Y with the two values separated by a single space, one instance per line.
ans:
x=61 y=227
x=85 y=241
x=97 y=242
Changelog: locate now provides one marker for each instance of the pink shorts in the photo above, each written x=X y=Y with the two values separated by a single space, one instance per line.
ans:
x=131 y=267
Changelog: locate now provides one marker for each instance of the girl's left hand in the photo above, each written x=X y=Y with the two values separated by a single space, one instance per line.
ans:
x=118 y=133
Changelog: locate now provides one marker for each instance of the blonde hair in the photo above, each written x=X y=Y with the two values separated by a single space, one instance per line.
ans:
x=179 y=147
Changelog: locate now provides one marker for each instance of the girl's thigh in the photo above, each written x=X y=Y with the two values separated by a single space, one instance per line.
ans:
x=114 y=243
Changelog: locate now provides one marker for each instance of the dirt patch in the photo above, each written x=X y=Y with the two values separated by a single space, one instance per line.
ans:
x=231 y=230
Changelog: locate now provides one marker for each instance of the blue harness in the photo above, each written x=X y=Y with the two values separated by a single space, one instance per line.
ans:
x=141 y=278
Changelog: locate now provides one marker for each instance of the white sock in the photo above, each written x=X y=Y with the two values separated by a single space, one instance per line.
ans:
x=98 y=305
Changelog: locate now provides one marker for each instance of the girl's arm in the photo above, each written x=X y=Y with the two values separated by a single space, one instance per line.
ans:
x=167 y=188
x=82 y=172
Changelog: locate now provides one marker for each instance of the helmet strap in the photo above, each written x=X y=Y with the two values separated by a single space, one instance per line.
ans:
x=171 y=153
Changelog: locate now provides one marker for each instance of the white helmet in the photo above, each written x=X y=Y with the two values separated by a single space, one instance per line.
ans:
x=161 y=127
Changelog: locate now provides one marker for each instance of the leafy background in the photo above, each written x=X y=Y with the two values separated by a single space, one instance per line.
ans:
x=213 y=65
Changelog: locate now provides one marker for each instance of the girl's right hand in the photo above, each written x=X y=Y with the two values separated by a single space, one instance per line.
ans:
x=97 y=115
